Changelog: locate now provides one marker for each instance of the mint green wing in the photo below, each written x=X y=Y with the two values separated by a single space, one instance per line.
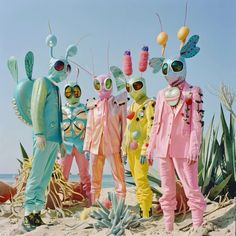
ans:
x=29 y=62
x=119 y=77
x=13 y=68
x=156 y=63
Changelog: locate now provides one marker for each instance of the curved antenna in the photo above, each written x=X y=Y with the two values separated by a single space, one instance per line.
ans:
x=77 y=75
x=83 y=37
x=92 y=59
x=49 y=27
x=108 y=62
x=186 y=12
x=162 y=37
x=81 y=67
x=51 y=39
x=184 y=30
x=159 y=18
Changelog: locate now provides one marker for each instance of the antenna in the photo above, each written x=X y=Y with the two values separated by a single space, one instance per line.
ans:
x=81 y=67
x=49 y=27
x=77 y=75
x=162 y=37
x=108 y=63
x=184 y=30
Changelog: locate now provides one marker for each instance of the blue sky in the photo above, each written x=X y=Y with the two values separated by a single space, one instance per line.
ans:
x=125 y=24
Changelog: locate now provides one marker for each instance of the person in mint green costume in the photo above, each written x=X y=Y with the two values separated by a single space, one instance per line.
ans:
x=74 y=125
x=42 y=109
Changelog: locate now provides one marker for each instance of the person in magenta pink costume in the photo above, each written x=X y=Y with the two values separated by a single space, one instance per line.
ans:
x=176 y=135
x=104 y=133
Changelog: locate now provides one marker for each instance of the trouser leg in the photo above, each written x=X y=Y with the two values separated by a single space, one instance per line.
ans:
x=66 y=163
x=96 y=180
x=168 y=186
x=83 y=167
x=188 y=175
x=117 y=169
x=143 y=192
x=39 y=176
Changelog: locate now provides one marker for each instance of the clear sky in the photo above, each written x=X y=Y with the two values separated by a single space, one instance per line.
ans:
x=125 y=24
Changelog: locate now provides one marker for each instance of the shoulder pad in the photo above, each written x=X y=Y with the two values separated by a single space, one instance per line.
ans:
x=121 y=99
x=151 y=101
x=91 y=103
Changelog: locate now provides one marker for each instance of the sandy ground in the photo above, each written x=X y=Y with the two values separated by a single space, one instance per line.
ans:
x=220 y=222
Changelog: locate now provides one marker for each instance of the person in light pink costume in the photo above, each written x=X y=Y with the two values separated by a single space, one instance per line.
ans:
x=104 y=133
x=176 y=135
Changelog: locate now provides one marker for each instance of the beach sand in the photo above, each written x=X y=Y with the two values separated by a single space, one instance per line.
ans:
x=221 y=222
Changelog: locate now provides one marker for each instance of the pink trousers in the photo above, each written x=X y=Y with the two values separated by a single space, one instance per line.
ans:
x=117 y=169
x=188 y=175
x=83 y=168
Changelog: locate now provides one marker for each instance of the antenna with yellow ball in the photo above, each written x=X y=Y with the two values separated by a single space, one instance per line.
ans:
x=184 y=30
x=162 y=37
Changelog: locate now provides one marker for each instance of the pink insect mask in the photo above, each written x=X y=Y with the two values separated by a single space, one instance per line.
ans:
x=103 y=86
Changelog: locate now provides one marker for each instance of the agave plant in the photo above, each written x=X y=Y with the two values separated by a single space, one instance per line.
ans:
x=58 y=192
x=117 y=219
x=217 y=170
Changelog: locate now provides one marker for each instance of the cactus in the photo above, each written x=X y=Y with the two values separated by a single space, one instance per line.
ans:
x=118 y=218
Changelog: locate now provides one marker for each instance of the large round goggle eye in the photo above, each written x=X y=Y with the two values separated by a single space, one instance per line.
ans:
x=68 y=92
x=59 y=65
x=177 y=66
x=165 y=69
x=108 y=84
x=137 y=85
x=77 y=91
x=128 y=87
x=68 y=68
x=96 y=85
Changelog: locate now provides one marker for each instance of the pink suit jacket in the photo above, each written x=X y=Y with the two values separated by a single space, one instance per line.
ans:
x=170 y=131
x=116 y=117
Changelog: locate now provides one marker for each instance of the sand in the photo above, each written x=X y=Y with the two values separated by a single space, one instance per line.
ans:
x=218 y=222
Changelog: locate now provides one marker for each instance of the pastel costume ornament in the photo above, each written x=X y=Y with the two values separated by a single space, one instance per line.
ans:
x=41 y=107
x=139 y=122
x=176 y=134
x=104 y=133
x=74 y=125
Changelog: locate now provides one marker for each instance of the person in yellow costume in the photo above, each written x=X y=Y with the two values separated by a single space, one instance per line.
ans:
x=139 y=122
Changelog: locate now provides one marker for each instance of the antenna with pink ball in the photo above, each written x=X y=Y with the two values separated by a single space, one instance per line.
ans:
x=127 y=63
x=143 y=59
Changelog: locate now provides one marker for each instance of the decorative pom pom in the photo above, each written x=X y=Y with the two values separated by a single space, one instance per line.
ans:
x=127 y=53
x=127 y=63
x=143 y=59
x=51 y=40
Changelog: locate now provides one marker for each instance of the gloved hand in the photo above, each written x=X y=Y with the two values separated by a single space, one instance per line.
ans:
x=62 y=150
x=142 y=159
x=87 y=155
x=124 y=159
x=150 y=159
x=192 y=158
x=41 y=142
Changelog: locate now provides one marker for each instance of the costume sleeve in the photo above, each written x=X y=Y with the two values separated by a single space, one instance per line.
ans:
x=124 y=140
x=61 y=119
x=152 y=134
x=123 y=119
x=149 y=112
x=89 y=131
x=38 y=100
x=196 y=124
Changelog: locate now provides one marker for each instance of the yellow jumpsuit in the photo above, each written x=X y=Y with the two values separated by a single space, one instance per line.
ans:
x=139 y=123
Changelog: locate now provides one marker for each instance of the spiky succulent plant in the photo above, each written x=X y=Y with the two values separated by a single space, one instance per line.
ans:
x=118 y=218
